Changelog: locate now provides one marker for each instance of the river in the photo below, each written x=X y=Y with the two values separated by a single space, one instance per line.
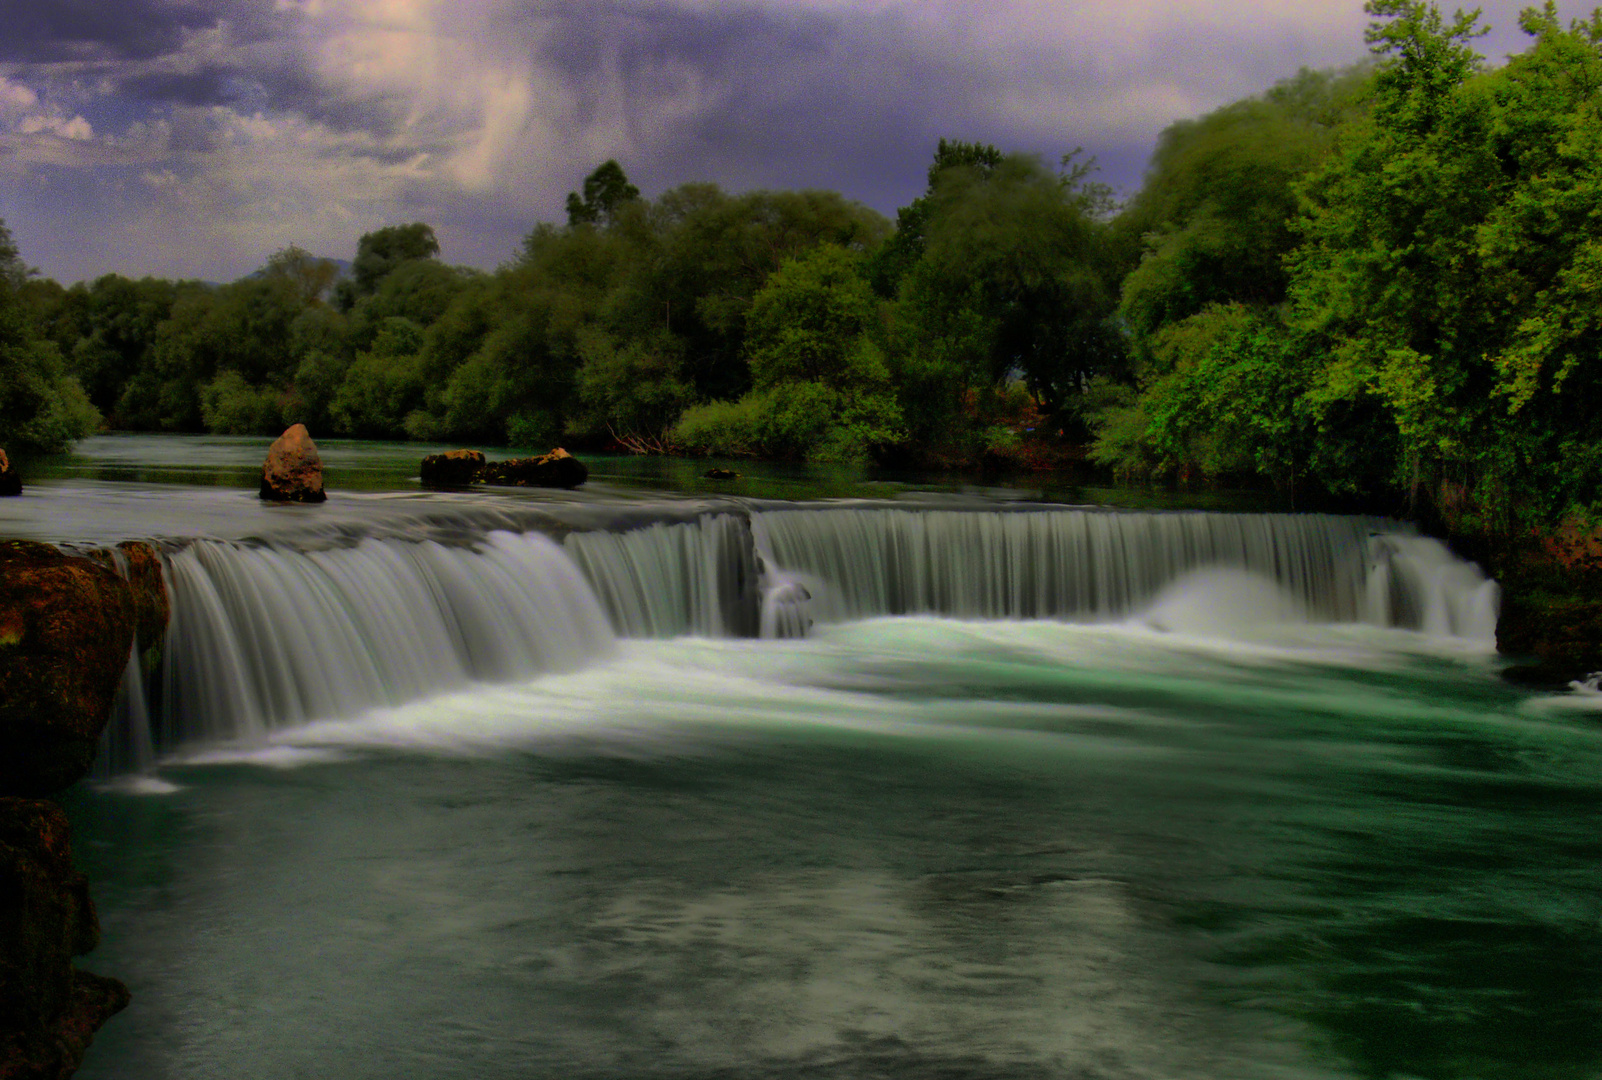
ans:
x=819 y=778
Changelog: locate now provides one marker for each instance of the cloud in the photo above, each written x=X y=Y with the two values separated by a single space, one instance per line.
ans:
x=224 y=129
x=87 y=31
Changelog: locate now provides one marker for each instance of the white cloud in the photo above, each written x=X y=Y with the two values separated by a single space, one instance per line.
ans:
x=16 y=96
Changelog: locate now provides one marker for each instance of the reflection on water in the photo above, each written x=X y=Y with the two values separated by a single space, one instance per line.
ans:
x=234 y=461
x=905 y=847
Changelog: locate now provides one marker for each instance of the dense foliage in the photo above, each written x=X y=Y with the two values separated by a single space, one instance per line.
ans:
x=41 y=406
x=1382 y=281
x=1400 y=295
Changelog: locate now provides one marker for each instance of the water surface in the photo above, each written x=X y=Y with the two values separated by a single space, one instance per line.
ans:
x=903 y=847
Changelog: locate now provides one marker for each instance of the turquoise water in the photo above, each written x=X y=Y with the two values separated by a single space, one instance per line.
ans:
x=1207 y=836
x=903 y=847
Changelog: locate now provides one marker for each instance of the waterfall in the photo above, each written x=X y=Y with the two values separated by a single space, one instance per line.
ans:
x=1060 y=563
x=265 y=636
x=668 y=579
x=1418 y=583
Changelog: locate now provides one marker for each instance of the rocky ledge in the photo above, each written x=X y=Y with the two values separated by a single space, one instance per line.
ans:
x=68 y=624
x=1555 y=639
x=459 y=468
x=49 y=1010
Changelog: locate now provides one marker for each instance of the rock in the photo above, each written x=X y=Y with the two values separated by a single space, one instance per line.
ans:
x=721 y=474
x=557 y=469
x=10 y=482
x=1561 y=634
x=139 y=564
x=293 y=472
x=49 y=1010
x=66 y=627
x=152 y=607
x=454 y=468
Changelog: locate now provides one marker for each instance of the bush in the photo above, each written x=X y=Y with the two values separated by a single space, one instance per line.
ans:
x=720 y=428
x=799 y=421
x=231 y=406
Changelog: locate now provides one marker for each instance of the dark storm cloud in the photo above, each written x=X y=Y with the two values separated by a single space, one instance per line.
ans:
x=280 y=84
x=842 y=99
x=223 y=129
x=53 y=31
x=209 y=86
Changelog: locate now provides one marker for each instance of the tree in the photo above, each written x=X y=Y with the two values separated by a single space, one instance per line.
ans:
x=114 y=327
x=379 y=253
x=898 y=254
x=821 y=388
x=809 y=319
x=1390 y=278
x=1215 y=367
x=1013 y=281
x=605 y=191
x=41 y=406
x=311 y=278
x=1216 y=215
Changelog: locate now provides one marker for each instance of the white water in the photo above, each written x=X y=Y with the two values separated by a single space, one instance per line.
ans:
x=263 y=638
x=1083 y=564
x=663 y=580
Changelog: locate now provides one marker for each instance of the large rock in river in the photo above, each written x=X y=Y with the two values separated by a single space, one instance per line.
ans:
x=454 y=468
x=293 y=471
x=66 y=627
x=10 y=482
x=49 y=1010
x=557 y=469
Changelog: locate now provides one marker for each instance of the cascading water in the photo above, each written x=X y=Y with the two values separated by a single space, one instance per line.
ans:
x=667 y=579
x=1417 y=583
x=264 y=637
x=1088 y=564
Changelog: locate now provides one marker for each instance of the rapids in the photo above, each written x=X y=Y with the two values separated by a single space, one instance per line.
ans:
x=652 y=784
x=270 y=635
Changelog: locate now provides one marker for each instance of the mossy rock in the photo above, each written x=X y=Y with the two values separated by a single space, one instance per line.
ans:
x=66 y=628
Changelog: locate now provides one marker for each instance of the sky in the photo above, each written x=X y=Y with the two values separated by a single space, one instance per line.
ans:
x=193 y=138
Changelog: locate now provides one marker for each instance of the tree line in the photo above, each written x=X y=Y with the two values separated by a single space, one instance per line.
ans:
x=1380 y=281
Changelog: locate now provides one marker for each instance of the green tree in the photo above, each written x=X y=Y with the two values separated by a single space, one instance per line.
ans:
x=1014 y=281
x=822 y=390
x=383 y=386
x=902 y=250
x=311 y=278
x=1205 y=305
x=1217 y=213
x=378 y=254
x=41 y=406
x=605 y=191
x=114 y=327
x=1440 y=329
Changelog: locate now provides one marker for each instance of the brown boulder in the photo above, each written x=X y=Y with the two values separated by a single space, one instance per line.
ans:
x=10 y=482
x=49 y=1010
x=66 y=627
x=293 y=471
x=557 y=469
x=454 y=468
x=139 y=564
